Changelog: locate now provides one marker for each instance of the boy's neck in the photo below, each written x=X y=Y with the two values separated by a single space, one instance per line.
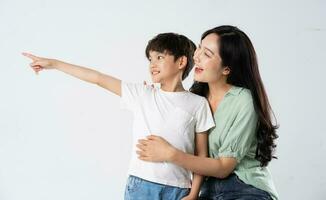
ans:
x=172 y=86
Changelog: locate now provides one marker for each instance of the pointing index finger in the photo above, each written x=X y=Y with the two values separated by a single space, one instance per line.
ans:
x=31 y=56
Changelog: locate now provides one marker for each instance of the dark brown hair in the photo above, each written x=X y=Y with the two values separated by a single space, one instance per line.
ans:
x=238 y=53
x=176 y=45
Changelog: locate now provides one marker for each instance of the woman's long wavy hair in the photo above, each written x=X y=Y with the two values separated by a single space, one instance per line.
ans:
x=238 y=53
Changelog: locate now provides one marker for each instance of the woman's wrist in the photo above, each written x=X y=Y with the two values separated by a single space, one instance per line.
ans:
x=172 y=154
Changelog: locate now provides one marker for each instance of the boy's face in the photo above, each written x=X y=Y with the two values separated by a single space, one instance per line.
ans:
x=162 y=67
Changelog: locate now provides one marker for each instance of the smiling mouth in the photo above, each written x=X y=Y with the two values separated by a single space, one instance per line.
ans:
x=198 y=70
x=155 y=73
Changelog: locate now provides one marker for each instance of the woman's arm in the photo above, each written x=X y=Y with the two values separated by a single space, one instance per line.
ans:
x=92 y=76
x=156 y=149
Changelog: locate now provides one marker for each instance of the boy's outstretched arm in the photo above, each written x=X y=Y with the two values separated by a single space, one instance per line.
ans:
x=201 y=149
x=92 y=76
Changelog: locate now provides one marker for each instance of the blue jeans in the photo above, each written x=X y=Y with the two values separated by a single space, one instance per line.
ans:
x=230 y=188
x=140 y=189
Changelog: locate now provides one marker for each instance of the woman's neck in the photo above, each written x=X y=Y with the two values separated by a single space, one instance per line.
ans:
x=217 y=90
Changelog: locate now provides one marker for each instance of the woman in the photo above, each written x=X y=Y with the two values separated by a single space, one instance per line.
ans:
x=242 y=143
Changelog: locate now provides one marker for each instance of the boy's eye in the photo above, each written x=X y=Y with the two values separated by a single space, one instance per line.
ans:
x=160 y=57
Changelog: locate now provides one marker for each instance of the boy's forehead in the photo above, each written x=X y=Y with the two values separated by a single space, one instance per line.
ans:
x=153 y=52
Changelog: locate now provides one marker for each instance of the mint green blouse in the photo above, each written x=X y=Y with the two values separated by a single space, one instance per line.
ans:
x=234 y=136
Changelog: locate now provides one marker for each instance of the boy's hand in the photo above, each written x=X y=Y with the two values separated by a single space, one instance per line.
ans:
x=40 y=63
x=189 y=197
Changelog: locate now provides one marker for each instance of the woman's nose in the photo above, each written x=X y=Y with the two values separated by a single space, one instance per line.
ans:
x=196 y=56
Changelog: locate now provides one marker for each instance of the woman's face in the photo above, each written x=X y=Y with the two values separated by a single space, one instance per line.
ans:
x=208 y=63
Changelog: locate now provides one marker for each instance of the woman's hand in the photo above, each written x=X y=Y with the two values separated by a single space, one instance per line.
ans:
x=40 y=63
x=155 y=149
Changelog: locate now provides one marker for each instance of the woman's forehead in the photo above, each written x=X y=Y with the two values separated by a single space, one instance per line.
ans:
x=210 y=42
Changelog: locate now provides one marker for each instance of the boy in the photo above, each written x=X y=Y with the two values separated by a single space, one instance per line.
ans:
x=169 y=111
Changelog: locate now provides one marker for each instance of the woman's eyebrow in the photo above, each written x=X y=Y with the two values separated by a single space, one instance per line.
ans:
x=209 y=50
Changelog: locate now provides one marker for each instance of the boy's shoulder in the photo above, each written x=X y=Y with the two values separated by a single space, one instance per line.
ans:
x=195 y=101
x=138 y=86
x=197 y=97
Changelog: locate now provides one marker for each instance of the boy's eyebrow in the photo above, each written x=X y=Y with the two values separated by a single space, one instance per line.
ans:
x=156 y=54
x=162 y=52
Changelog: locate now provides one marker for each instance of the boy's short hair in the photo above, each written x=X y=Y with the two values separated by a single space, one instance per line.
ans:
x=176 y=45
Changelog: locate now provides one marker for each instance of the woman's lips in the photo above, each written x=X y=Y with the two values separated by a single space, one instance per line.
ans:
x=198 y=70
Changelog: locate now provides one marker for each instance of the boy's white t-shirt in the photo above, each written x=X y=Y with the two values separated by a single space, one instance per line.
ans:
x=175 y=116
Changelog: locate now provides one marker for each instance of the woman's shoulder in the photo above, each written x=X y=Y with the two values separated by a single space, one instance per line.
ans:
x=246 y=95
x=243 y=97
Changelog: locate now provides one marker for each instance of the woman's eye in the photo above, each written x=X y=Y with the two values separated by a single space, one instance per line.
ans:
x=159 y=57
x=206 y=54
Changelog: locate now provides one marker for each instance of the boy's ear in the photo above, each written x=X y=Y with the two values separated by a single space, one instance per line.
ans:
x=182 y=61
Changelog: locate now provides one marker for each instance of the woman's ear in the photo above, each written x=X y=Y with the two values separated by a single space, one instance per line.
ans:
x=182 y=62
x=226 y=70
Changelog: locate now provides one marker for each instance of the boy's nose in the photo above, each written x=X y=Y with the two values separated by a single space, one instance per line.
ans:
x=152 y=64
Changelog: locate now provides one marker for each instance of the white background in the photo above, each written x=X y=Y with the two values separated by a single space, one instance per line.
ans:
x=61 y=138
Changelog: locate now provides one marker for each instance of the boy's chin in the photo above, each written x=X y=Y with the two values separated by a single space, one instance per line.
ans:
x=156 y=80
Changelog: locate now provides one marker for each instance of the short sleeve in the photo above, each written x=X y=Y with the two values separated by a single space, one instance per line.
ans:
x=204 y=118
x=130 y=94
x=241 y=135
